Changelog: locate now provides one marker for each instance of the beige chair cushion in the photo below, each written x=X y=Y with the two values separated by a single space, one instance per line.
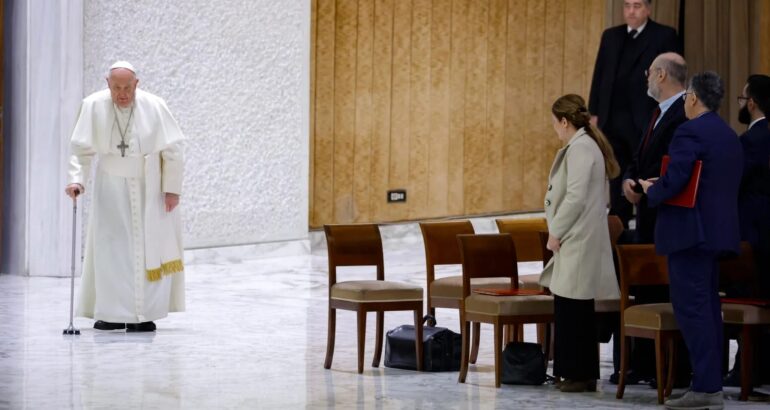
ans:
x=375 y=291
x=530 y=281
x=509 y=305
x=451 y=287
x=655 y=316
x=745 y=314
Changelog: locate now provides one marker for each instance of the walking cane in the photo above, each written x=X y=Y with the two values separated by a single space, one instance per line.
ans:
x=70 y=330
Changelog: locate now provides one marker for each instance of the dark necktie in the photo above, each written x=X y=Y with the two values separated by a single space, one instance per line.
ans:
x=655 y=115
x=632 y=34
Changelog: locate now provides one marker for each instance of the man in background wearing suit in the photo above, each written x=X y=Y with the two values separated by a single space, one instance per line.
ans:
x=619 y=90
x=666 y=78
x=754 y=199
x=693 y=238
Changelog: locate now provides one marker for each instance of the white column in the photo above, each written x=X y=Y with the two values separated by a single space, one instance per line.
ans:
x=47 y=77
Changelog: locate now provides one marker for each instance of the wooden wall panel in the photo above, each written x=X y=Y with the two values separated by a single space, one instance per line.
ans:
x=449 y=99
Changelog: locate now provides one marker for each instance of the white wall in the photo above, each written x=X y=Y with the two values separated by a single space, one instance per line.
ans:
x=236 y=76
x=234 y=73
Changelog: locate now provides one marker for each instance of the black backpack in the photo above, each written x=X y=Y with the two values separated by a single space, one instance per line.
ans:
x=523 y=363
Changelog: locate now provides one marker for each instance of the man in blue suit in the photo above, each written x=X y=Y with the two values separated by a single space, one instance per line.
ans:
x=693 y=238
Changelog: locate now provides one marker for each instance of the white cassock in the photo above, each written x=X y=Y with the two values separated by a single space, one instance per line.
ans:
x=132 y=269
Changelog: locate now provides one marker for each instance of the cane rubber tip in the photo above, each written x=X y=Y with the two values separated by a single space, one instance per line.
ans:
x=77 y=332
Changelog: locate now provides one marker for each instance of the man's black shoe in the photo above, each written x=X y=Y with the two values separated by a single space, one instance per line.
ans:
x=102 y=325
x=631 y=378
x=140 y=327
x=732 y=379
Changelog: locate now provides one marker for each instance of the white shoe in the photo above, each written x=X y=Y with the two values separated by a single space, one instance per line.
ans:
x=693 y=400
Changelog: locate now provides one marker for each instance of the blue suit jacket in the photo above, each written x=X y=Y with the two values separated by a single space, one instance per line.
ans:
x=713 y=223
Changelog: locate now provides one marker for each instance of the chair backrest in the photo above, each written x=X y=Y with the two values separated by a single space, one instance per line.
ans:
x=488 y=256
x=354 y=245
x=616 y=228
x=440 y=239
x=740 y=271
x=639 y=266
x=526 y=236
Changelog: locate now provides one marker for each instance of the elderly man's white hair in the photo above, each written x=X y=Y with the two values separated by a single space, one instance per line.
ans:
x=122 y=64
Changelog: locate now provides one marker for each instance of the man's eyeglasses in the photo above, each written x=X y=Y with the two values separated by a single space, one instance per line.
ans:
x=684 y=96
x=741 y=98
x=648 y=71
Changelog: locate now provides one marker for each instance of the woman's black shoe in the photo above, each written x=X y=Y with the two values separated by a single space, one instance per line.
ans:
x=102 y=325
x=140 y=327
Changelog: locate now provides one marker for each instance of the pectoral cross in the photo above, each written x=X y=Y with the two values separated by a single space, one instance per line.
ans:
x=122 y=147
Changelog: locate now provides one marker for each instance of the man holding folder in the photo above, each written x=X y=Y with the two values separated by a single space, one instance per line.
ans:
x=693 y=238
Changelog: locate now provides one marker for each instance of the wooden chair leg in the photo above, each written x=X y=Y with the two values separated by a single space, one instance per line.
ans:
x=418 y=337
x=623 y=365
x=465 y=330
x=509 y=331
x=659 y=367
x=378 y=339
x=519 y=335
x=476 y=339
x=330 y=331
x=747 y=368
x=671 y=366
x=498 y=334
x=361 y=329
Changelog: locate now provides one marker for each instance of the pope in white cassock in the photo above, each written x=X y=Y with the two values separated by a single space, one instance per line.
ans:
x=132 y=269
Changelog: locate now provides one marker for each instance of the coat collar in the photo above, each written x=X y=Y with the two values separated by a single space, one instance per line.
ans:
x=560 y=155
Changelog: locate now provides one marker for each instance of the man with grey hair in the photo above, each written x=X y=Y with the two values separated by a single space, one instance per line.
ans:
x=132 y=269
x=666 y=78
x=693 y=238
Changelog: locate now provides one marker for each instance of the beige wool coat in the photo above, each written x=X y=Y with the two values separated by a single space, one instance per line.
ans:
x=576 y=211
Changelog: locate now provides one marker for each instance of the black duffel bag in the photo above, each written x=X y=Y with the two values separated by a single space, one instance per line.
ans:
x=441 y=348
x=523 y=363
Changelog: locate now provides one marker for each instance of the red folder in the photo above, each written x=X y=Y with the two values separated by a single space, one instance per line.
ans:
x=686 y=198
x=509 y=292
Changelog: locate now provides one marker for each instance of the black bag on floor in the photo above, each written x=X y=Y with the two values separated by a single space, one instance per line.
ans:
x=441 y=348
x=523 y=363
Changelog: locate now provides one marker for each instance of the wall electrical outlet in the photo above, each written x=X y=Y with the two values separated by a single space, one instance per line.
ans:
x=397 y=195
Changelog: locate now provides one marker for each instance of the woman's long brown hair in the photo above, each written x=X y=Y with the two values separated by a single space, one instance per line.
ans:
x=573 y=108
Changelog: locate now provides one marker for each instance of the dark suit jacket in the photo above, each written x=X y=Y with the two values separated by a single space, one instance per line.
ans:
x=713 y=223
x=654 y=40
x=646 y=164
x=754 y=196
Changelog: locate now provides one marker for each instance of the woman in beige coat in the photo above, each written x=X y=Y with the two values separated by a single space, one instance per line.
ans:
x=581 y=269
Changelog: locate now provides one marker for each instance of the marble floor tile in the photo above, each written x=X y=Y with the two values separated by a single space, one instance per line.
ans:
x=253 y=337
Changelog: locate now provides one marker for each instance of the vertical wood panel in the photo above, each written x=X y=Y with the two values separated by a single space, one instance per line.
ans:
x=438 y=161
x=401 y=105
x=382 y=63
x=363 y=124
x=313 y=84
x=458 y=59
x=553 y=76
x=420 y=111
x=323 y=160
x=496 y=52
x=2 y=80
x=344 y=109
x=534 y=138
x=515 y=131
x=476 y=141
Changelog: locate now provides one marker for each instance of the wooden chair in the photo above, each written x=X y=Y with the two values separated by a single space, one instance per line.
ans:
x=361 y=245
x=640 y=266
x=526 y=237
x=494 y=256
x=751 y=319
x=441 y=248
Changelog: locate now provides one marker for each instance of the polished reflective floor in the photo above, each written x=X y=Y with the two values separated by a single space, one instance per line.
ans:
x=253 y=337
